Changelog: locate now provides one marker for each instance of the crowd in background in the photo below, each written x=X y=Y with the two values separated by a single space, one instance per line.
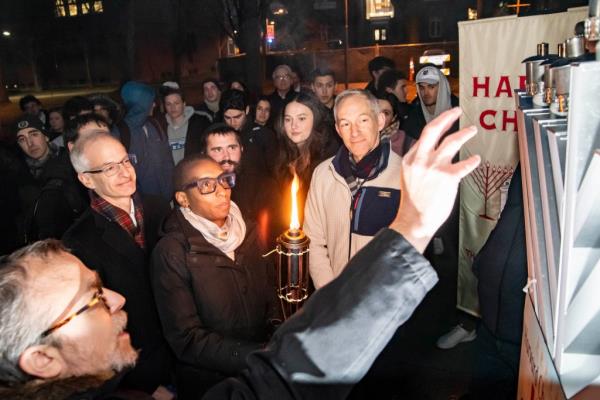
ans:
x=173 y=204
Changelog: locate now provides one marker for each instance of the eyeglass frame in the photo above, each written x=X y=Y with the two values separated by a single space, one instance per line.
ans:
x=96 y=299
x=131 y=159
x=219 y=179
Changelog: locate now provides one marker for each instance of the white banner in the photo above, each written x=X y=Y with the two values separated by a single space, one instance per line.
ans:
x=491 y=51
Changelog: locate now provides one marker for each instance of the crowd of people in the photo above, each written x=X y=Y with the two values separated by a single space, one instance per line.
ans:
x=171 y=207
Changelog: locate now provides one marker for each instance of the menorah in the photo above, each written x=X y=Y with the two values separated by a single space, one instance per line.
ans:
x=488 y=179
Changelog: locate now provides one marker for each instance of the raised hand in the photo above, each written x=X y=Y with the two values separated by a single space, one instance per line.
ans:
x=429 y=179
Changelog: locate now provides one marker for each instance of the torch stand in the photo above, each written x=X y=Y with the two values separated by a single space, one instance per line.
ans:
x=292 y=270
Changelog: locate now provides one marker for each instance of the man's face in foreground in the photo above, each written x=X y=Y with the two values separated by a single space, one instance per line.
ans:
x=90 y=343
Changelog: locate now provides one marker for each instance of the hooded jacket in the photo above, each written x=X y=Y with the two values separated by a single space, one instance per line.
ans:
x=154 y=167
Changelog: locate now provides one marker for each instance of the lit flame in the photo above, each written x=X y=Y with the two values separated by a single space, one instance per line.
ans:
x=294 y=222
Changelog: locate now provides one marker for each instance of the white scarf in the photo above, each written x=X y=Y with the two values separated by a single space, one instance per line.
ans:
x=226 y=238
x=442 y=102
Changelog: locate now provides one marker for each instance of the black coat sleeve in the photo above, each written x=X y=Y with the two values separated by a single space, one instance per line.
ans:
x=327 y=347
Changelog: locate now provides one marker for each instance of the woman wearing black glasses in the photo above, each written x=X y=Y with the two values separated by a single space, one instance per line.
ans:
x=214 y=291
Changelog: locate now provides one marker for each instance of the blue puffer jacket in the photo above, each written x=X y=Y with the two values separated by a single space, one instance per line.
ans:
x=148 y=142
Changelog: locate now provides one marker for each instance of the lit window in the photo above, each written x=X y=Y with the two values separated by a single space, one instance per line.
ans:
x=380 y=34
x=60 y=8
x=377 y=9
x=73 y=8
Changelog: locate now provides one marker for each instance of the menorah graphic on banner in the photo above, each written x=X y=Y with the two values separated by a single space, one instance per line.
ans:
x=488 y=180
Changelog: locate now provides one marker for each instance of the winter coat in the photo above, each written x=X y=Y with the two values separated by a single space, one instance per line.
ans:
x=147 y=141
x=51 y=201
x=501 y=269
x=324 y=350
x=214 y=311
x=105 y=247
x=338 y=227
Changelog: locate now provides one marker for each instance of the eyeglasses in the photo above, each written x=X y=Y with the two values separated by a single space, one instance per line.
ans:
x=209 y=185
x=281 y=77
x=97 y=299
x=111 y=169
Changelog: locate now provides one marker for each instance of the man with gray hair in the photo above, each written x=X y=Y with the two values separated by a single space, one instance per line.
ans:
x=283 y=93
x=361 y=179
x=115 y=237
x=61 y=332
x=53 y=314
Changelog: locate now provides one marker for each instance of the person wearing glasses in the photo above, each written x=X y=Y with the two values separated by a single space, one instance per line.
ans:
x=214 y=291
x=61 y=331
x=283 y=93
x=115 y=237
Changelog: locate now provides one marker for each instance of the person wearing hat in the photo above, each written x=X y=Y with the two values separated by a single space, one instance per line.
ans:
x=434 y=97
x=49 y=197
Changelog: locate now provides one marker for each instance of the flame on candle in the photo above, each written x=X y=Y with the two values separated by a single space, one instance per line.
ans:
x=294 y=221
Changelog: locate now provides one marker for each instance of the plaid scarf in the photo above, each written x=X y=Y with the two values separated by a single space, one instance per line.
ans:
x=366 y=169
x=115 y=214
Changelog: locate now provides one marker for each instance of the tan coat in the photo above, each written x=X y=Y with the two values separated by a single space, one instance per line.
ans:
x=327 y=217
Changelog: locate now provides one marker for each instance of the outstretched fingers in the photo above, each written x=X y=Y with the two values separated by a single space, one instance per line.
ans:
x=453 y=143
x=434 y=130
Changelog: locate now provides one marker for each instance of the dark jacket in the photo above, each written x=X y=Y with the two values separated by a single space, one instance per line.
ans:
x=415 y=120
x=278 y=103
x=105 y=247
x=501 y=269
x=49 y=202
x=321 y=352
x=86 y=387
x=258 y=196
x=214 y=311
x=197 y=124
x=147 y=141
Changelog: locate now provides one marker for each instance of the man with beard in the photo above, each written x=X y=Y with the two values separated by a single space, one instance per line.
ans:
x=320 y=353
x=255 y=192
x=259 y=141
x=114 y=237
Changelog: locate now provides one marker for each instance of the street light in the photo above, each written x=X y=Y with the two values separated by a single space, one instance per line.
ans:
x=6 y=33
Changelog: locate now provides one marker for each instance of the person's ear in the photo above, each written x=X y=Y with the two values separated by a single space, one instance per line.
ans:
x=247 y=109
x=70 y=146
x=380 y=121
x=182 y=199
x=86 y=180
x=42 y=361
x=389 y=90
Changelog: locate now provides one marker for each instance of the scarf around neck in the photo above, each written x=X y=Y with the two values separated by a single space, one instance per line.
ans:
x=122 y=218
x=366 y=169
x=226 y=238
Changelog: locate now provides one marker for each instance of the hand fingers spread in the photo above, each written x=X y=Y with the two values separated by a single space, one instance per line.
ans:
x=452 y=143
x=465 y=167
x=434 y=130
